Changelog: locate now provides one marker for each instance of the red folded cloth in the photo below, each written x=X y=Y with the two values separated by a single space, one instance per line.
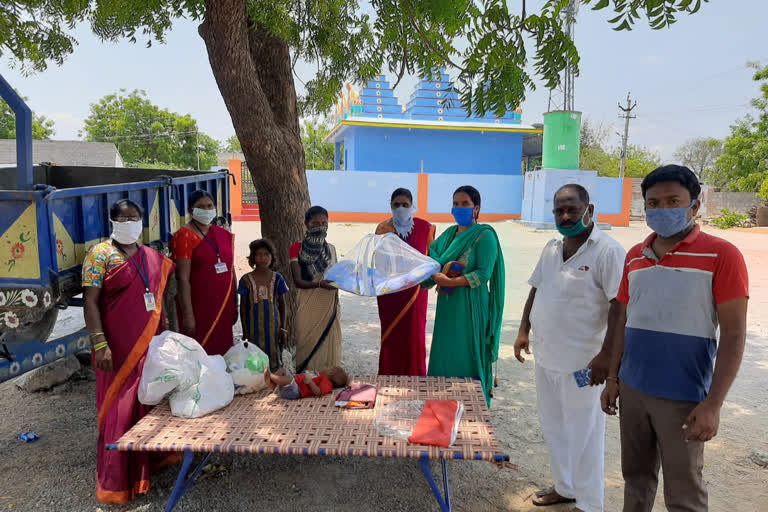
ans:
x=438 y=423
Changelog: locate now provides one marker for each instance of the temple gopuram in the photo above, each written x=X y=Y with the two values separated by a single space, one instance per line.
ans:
x=431 y=132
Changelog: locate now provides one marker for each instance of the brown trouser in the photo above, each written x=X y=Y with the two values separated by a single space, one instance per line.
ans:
x=652 y=435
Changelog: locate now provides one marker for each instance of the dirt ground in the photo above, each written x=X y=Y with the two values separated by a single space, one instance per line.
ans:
x=57 y=472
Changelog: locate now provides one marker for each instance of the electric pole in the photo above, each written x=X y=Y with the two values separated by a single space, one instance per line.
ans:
x=197 y=148
x=626 y=113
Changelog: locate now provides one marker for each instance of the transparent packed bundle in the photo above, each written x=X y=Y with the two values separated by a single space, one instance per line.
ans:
x=428 y=422
x=246 y=363
x=380 y=265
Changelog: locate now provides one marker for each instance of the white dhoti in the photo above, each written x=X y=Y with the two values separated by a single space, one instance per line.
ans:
x=574 y=430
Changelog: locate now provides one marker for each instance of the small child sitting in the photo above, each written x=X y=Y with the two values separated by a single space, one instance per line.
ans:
x=305 y=384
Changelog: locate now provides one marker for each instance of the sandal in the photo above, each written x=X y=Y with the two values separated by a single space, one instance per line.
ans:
x=547 y=497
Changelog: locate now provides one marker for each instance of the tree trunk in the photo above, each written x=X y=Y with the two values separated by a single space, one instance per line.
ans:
x=254 y=75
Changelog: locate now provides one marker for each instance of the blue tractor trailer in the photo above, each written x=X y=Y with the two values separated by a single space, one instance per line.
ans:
x=50 y=216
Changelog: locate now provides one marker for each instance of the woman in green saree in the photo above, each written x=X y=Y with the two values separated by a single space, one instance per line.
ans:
x=470 y=299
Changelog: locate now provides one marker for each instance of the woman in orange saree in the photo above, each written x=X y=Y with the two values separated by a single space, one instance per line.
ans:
x=403 y=315
x=124 y=285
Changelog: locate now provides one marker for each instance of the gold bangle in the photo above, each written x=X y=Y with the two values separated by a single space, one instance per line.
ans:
x=95 y=335
x=100 y=346
x=614 y=379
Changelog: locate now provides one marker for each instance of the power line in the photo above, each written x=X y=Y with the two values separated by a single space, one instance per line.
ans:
x=671 y=114
x=144 y=136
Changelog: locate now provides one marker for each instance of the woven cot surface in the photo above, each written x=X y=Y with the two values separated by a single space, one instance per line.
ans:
x=264 y=423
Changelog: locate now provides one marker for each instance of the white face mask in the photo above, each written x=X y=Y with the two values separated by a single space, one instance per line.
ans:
x=203 y=216
x=126 y=233
x=402 y=219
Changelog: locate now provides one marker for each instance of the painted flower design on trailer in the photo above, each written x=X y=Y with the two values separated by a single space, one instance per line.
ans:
x=29 y=298
x=11 y=319
x=18 y=249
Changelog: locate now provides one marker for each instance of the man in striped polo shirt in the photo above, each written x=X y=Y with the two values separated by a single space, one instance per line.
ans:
x=678 y=286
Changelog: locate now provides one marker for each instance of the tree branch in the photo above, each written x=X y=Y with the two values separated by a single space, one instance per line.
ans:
x=225 y=31
x=404 y=65
x=272 y=59
x=428 y=41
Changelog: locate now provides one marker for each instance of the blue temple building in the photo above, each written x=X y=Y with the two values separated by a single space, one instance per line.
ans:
x=432 y=132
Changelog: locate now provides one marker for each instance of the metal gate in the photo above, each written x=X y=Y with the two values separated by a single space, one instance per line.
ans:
x=248 y=188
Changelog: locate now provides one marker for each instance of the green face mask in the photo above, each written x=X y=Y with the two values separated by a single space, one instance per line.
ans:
x=574 y=230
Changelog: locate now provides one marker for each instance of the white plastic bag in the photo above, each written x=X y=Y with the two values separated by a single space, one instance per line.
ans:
x=380 y=265
x=246 y=364
x=214 y=390
x=198 y=383
x=171 y=363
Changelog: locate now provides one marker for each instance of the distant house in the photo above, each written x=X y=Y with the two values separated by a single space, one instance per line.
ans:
x=224 y=157
x=64 y=152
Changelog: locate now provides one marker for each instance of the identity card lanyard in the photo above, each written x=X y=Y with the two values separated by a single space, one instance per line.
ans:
x=149 y=298
x=220 y=266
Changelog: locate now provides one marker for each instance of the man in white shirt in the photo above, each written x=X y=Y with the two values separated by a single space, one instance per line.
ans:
x=573 y=288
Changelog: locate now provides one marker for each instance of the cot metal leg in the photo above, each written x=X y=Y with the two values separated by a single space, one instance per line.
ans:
x=444 y=502
x=183 y=483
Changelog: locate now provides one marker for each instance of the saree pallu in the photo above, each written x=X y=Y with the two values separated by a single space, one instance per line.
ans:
x=213 y=295
x=318 y=326
x=129 y=328
x=403 y=316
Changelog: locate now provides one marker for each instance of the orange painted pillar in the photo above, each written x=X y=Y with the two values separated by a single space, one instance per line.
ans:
x=422 y=195
x=236 y=189
x=620 y=219
x=626 y=202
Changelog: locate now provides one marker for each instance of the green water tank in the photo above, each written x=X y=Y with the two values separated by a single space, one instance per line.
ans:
x=562 y=140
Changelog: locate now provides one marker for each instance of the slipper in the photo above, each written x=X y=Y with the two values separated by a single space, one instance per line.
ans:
x=542 y=498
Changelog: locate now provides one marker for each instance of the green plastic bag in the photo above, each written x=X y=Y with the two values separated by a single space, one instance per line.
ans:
x=257 y=362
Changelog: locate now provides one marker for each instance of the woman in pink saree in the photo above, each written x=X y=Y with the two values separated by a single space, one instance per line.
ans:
x=122 y=280
x=205 y=258
x=403 y=315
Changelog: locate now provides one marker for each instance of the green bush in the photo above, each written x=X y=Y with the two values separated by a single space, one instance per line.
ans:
x=763 y=192
x=728 y=219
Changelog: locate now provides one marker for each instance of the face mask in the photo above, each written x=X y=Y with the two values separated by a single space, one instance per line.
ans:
x=574 y=230
x=126 y=233
x=464 y=216
x=203 y=216
x=317 y=231
x=402 y=218
x=667 y=222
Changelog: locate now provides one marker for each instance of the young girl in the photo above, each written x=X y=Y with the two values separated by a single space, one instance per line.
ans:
x=262 y=306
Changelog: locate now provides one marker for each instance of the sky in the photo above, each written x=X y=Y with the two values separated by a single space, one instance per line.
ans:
x=688 y=81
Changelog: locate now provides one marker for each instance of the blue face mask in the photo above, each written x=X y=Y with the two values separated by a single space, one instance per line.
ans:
x=668 y=222
x=463 y=216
